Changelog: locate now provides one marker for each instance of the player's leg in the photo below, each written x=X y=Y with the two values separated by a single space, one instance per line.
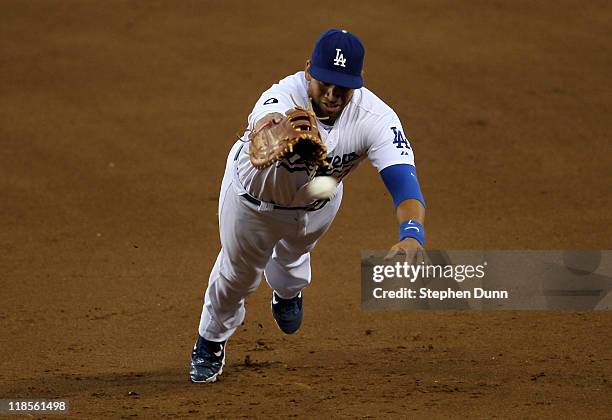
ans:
x=288 y=271
x=247 y=240
x=247 y=243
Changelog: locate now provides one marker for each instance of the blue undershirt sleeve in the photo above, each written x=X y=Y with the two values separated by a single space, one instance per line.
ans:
x=402 y=183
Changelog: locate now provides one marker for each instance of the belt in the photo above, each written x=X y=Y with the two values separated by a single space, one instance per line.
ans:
x=317 y=205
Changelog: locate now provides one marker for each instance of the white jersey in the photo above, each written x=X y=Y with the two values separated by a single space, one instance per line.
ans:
x=367 y=127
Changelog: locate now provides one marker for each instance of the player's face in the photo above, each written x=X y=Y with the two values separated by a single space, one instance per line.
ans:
x=328 y=100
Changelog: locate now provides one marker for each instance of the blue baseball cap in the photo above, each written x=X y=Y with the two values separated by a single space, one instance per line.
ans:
x=337 y=59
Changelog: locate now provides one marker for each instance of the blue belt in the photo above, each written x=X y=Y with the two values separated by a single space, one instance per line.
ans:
x=317 y=205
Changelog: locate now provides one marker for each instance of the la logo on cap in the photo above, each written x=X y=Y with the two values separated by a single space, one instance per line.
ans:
x=339 y=60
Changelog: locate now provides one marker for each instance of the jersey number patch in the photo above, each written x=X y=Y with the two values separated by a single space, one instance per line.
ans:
x=399 y=140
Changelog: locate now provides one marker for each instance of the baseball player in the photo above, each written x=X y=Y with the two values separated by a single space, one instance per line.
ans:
x=320 y=122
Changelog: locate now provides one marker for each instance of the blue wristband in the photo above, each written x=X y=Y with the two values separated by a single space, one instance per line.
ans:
x=412 y=229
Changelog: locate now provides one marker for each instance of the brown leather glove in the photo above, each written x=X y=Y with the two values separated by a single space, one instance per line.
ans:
x=295 y=133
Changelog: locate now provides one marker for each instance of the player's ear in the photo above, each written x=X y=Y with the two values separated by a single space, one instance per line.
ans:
x=307 y=70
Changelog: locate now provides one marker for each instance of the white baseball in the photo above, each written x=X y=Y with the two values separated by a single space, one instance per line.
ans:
x=321 y=187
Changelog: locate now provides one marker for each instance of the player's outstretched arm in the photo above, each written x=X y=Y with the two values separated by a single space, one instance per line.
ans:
x=411 y=218
x=402 y=183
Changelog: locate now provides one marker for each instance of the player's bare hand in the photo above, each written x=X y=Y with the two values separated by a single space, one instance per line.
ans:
x=409 y=247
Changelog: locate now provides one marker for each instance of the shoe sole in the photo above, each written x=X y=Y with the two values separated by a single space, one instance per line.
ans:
x=209 y=380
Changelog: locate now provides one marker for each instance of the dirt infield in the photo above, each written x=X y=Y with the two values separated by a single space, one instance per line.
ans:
x=115 y=120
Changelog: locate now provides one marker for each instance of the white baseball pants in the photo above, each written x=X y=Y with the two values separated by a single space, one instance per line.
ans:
x=255 y=241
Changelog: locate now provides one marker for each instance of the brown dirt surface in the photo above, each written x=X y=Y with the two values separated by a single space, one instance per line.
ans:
x=115 y=120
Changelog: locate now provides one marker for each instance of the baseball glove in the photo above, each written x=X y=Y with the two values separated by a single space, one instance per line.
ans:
x=295 y=133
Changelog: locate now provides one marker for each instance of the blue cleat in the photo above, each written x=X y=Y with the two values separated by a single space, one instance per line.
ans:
x=207 y=360
x=287 y=312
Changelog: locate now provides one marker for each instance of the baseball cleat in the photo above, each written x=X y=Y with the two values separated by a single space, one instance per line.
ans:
x=207 y=360
x=287 y=312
